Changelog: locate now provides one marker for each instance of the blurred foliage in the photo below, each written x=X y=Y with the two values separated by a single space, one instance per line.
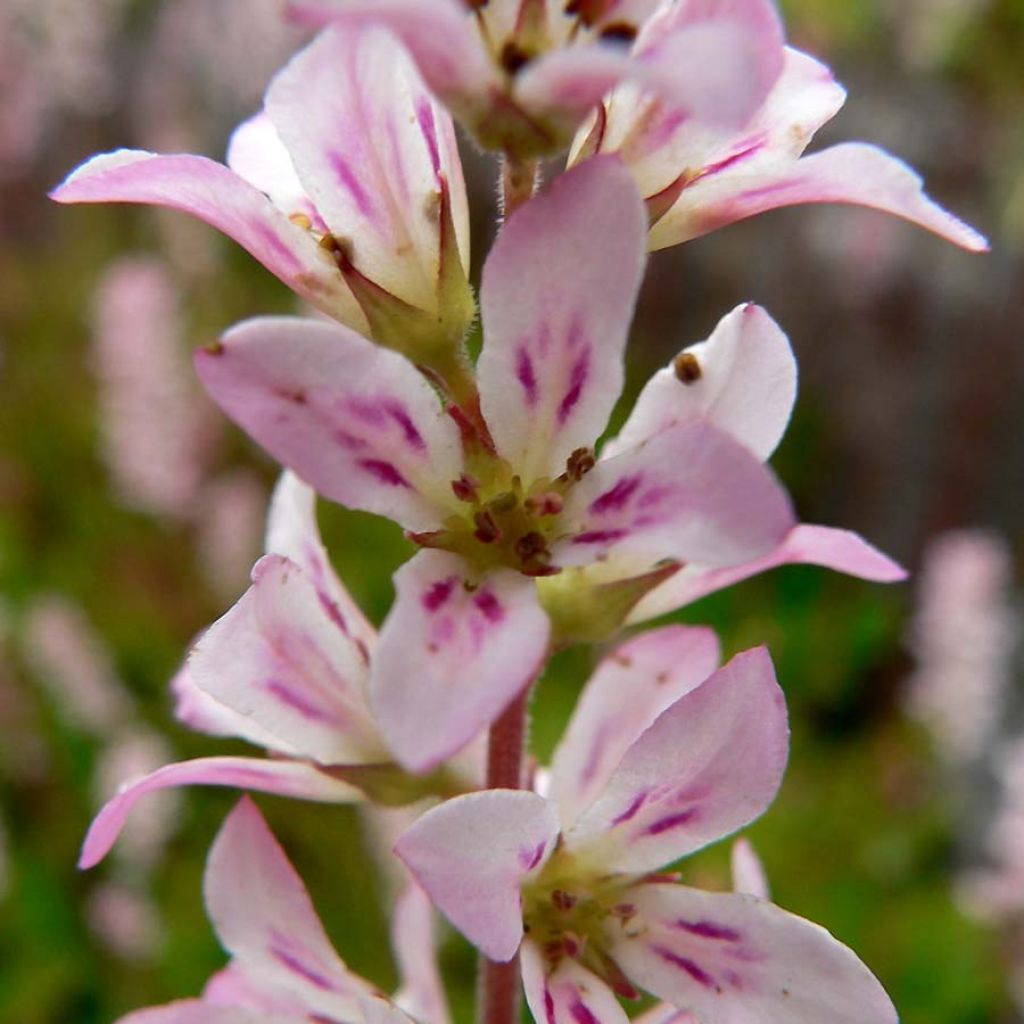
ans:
x=860 y=838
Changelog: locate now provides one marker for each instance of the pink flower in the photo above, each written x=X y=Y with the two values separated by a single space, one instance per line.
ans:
x=696 y=176
x=521 y=75
x=283 y=969
x=286 y=668
x=657 y=762
x=510 y=491
x=347 y=186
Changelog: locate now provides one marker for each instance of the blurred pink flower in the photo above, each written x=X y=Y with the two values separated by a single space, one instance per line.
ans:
x=125 y=920
x=658 y=761
x=158 y=434
x=962 y=636
x=229 y=516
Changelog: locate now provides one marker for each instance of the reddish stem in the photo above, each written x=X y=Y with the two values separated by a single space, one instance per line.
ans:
x=499 y=982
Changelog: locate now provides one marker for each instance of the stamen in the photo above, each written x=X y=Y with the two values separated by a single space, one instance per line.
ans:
x=687 y=368
x=466 y=488
x=579 y=463
x=563 y=900
x=618 y=32
x=487 y=530
x=549 y=504
x=301 y=220
x=513 y=57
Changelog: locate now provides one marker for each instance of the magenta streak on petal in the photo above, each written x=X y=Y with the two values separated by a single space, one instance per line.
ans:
x=280 y=248
x=576 y=381
x=531 y=858
x=685 y=963
x=349 y=441
x=351 y=184
x=398 y=413
x=526 y=376
x=489 y=605
x=596 y=750
x=425 y=117
x=729 y=161
x=333 y=612
x=709 y=930
x=297 y=702
x=438 y=593
x=368 y=410
x=581 y=1014
x=599 y=536
x=670 y=822
x=615 y=499
x=631 y=811
x=290 y=960
x=549 y=1005
x=384 y=472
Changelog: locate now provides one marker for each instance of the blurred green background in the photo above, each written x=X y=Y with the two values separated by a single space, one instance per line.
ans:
x=908 y=424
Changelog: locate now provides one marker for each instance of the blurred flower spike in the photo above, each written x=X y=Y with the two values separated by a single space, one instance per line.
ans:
x=520 y=75
x=572 y=882
x=347 y=186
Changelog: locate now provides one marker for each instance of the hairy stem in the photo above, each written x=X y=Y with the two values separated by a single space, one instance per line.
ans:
x=518 y=182
x=499 y=983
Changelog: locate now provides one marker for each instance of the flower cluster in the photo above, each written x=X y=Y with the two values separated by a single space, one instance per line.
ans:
x=676 y=118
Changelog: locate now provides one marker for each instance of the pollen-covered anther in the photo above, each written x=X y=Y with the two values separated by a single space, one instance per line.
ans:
x=547 y=504
x=466 y=488
x=301 y=220
x=579 y=463
x=687 y=368
x=532 y=549
x=487 y=530
x=339 y=250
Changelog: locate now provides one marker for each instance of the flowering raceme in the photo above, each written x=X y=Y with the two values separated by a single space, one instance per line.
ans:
x=535 y=532
x=656 y=763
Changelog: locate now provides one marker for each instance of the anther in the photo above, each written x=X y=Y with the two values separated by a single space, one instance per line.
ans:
x=618 y=32
x=337 y=249
x=532 y=547
x=465 y=488
x=563 y=900
x=301 y=220
x=549 y=504
x=502 y=503
x=687 y=368
x=513 y=57
x=579 y=463
x=487 y=530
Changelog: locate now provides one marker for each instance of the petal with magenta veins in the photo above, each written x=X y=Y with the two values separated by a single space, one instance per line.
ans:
x=710 y=764
x=631 y=687
x=715 y=60
x=840 y=550
x=257 y=154
x=440 y=36
x=852 y=173
x=197 y=1011
x=471 y=853
x=555 y=327
x=282 y=778
x=690 y=493
x=453 y=652
x=239 y=985
x=742 y=380
x=264 y=918
x=218 y=196
x=292 y=531
x=354 y=420
x=414 y=942
x=659 y=145
x=279 y=658
x=374 y=151
x=199 y=711
x=732 y=957
x=568 y=993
